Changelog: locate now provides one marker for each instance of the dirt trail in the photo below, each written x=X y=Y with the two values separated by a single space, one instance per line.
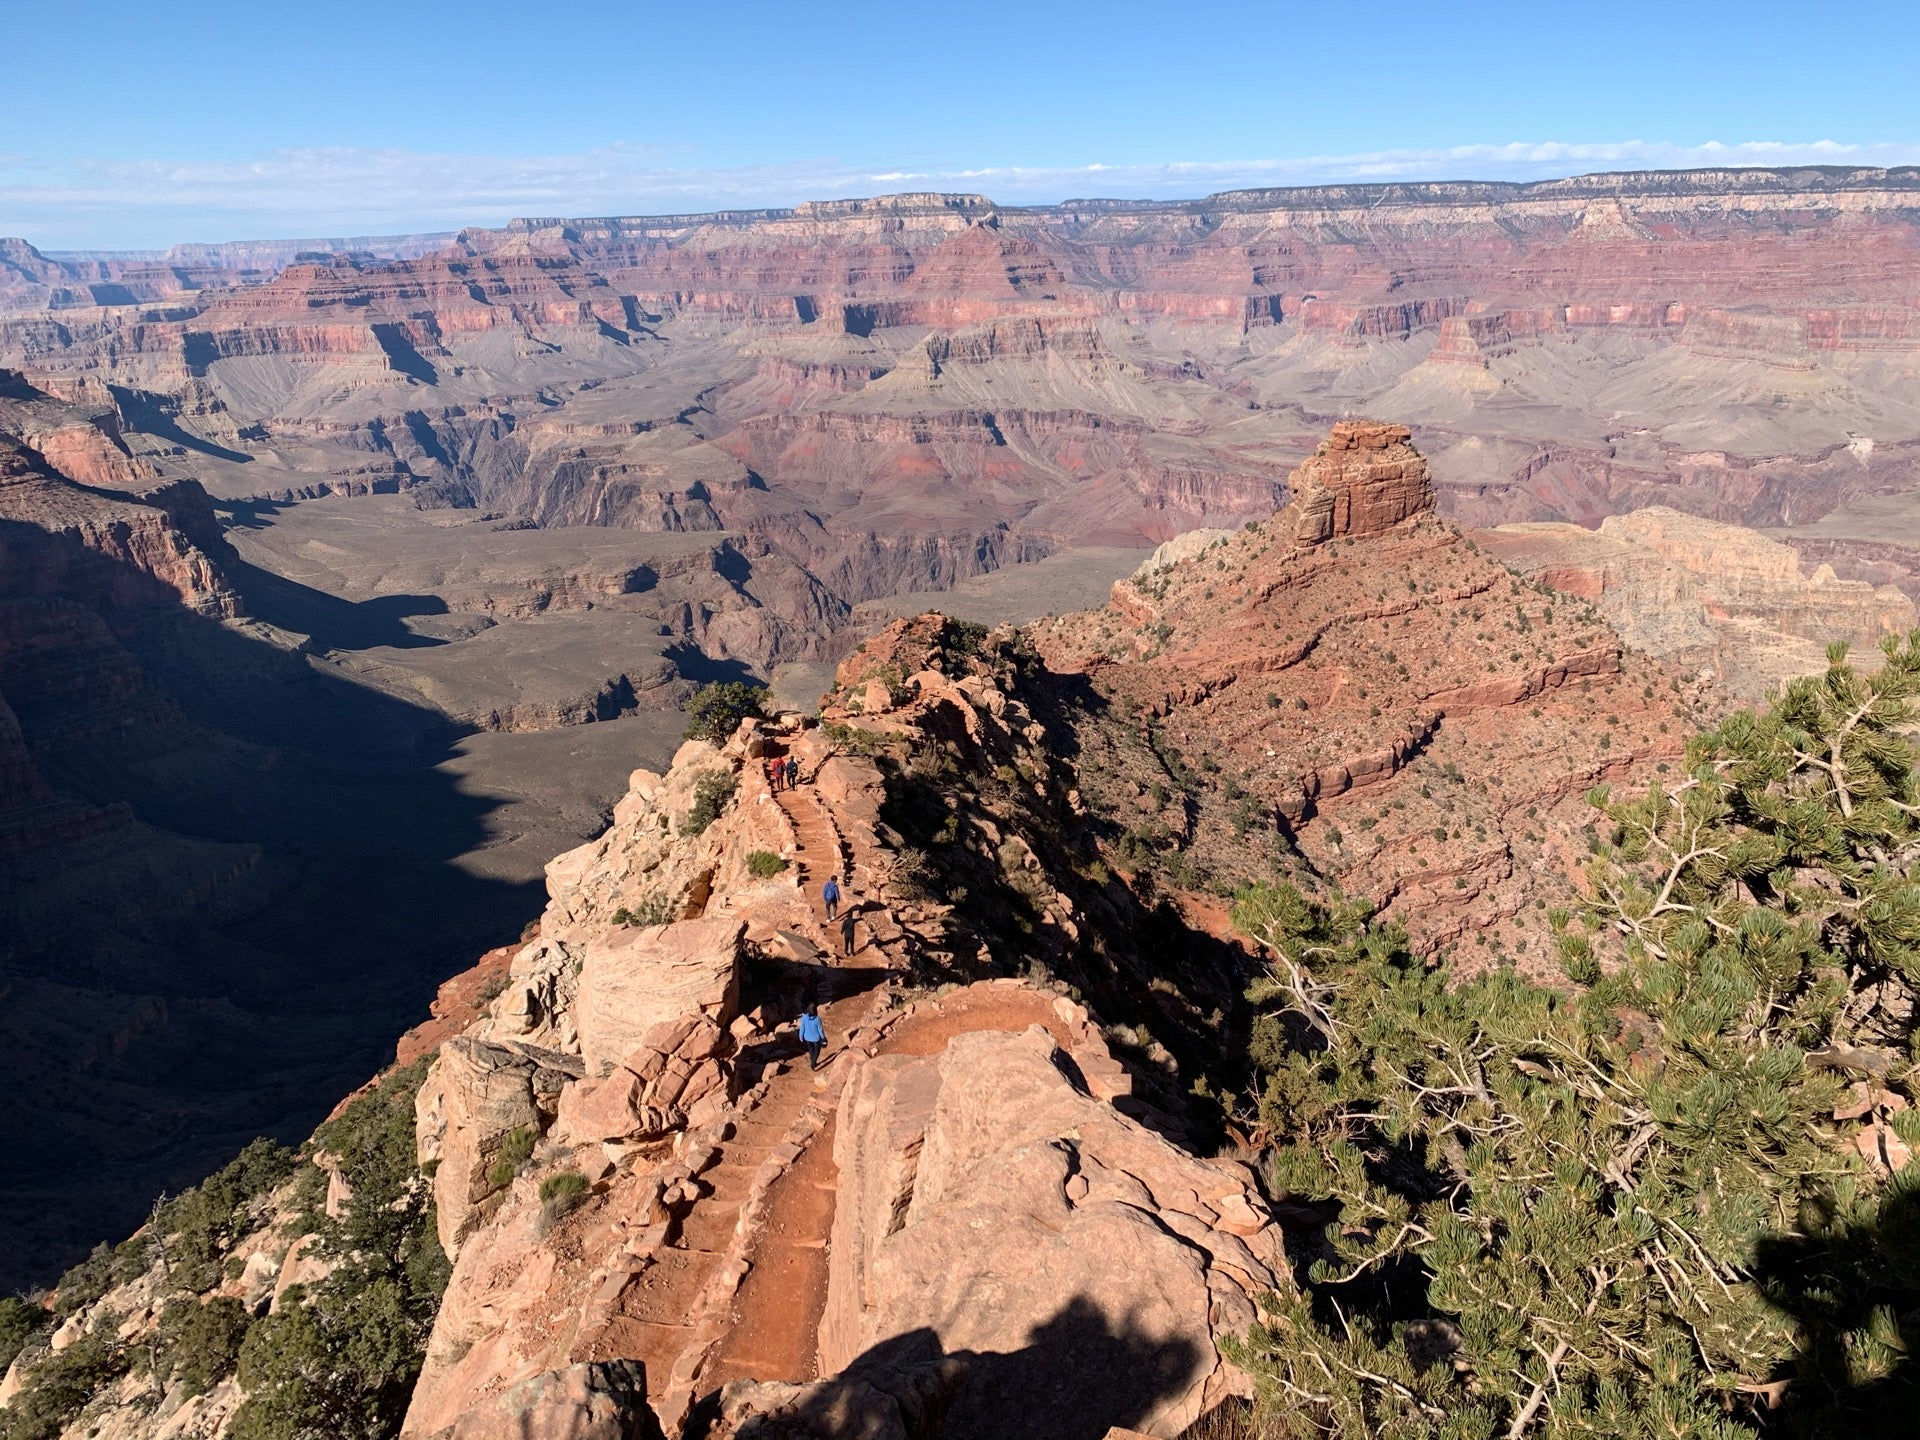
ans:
x=821 y=852
x=653 y=1321
x=665 y=1313
x=824 y=851
x=774 y=1323
x=776 y=1315
x=752 y=1252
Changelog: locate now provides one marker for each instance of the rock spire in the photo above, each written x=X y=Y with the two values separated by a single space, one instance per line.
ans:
x=1364 y=478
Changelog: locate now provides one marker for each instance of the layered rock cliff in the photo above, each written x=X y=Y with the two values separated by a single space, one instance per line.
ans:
x=1742 y=606
x=902 y=392
x=81 y=569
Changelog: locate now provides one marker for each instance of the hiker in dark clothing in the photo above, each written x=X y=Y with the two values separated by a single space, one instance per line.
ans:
x=812 y=1035
x=830 y=892
x=792 y=772
x=847 y=947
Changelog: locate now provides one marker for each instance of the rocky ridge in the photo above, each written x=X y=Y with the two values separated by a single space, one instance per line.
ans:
x=689 y=1259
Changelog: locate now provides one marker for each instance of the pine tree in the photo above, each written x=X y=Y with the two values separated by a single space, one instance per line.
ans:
x=1622 y=1206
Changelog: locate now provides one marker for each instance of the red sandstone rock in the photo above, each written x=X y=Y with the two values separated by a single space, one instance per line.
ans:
x=674 y=1073
x=476 y=1094
x=603 y=1400
x=1421 y=721
x=1364 y=478
x=633 y=980
x=985 y=1201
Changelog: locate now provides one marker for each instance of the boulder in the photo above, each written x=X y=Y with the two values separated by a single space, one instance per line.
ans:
x=475 y=1094
x=1185 y=546
x=676 y=1070
x=1077 y=1267
x=840 y=1408
x=300 y=1267
x=634 y=979
x=900 y=1390
x=603 y=1400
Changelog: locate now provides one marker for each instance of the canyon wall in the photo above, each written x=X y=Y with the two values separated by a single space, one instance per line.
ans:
x=905 y=391
x=328 y=512
x=1749 y=611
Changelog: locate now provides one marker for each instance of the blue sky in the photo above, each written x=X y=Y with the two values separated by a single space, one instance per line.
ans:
x=126 y=125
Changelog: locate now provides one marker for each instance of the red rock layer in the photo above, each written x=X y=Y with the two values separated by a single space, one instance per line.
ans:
x=1364 y=479
x=1421 y=722
x=1099 y=372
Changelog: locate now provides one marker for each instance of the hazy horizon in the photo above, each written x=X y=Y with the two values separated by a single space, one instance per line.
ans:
x=1713 y=157
x=376 y=120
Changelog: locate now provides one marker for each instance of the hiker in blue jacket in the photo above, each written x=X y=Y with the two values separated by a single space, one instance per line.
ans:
x=830 y=892
x=813 y=1035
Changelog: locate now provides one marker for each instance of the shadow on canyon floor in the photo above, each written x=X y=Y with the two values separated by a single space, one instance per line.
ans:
x=147 y=414
x=244 y=948
x=330 y=622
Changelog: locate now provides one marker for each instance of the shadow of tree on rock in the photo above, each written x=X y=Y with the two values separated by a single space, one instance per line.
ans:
x=1079 y=1373
x=1852 y=1282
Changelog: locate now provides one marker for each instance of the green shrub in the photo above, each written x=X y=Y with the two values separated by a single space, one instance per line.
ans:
x=341 y=1360
x=710 y=796
x=961 y=639
x=21 y=1322
x=198 y=1344
x=854 y=740
x=202 y=1224
x=567 y=1185
x=84 y=1283
x=516 y=1148
x=1620 y=1207
x=764 y=864
x=58 y=1387
x=716 y=710
x=340 y=1363
x=560 y=1195
x=649 y=910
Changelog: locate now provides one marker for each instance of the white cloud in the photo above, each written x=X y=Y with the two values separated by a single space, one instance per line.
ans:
x=106 y=203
